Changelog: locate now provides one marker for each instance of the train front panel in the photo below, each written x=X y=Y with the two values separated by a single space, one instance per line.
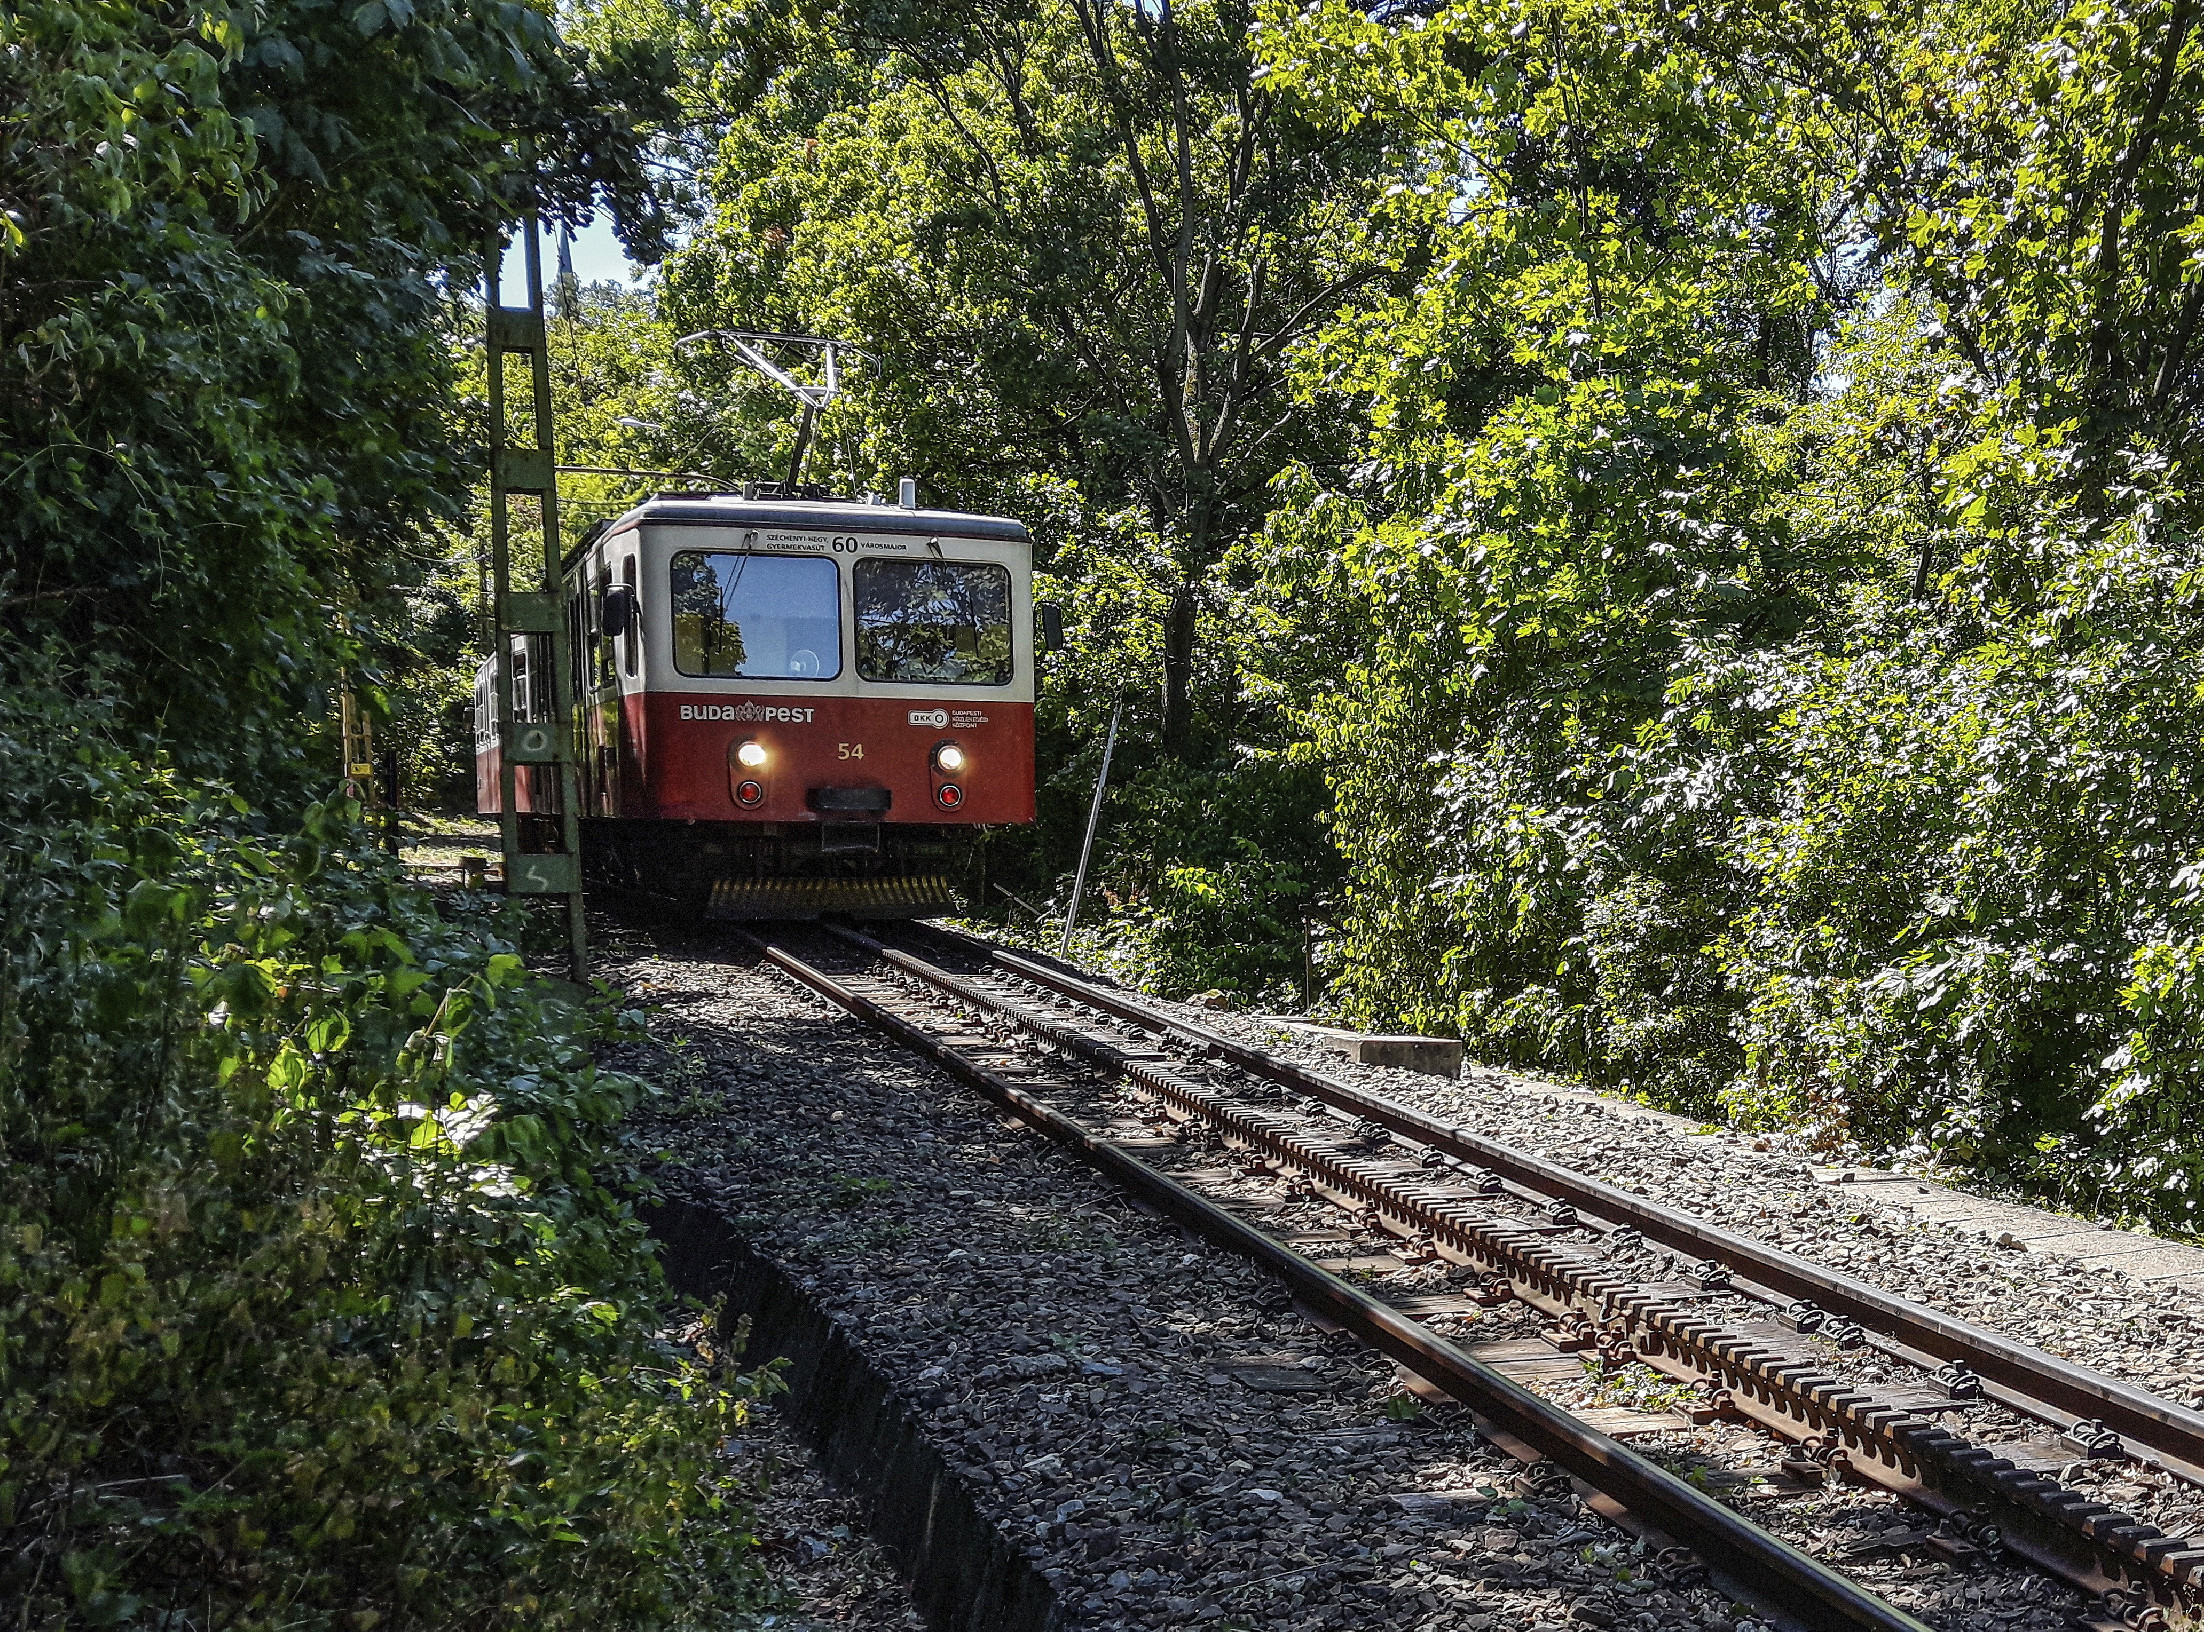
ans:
x=872 y=663
x=815 y=691
x=782 y=758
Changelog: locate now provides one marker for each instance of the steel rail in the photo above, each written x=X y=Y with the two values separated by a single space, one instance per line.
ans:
x=1788 y=1580
x=2095 y=1547
x=2016 y=1373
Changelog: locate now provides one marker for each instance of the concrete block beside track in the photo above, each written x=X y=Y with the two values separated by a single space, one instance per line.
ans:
x=1429 y=1056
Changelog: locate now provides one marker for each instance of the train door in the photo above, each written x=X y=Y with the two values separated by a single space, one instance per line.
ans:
x=485 y=738
x=580 y=662
x=602 y=703
x=592 y=667
x=622 y=720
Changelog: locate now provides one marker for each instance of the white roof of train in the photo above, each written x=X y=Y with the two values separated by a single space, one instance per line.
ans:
x=832 y=515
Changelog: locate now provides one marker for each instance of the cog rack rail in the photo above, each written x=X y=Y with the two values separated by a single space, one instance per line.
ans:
x=2150 y=1428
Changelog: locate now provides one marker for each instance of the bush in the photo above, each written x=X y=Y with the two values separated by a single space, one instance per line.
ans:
x=319 y=1302
x=1210 y=929
x=1973 y=928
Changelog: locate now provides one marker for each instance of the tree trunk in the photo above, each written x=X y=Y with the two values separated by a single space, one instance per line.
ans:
x=1178 y=673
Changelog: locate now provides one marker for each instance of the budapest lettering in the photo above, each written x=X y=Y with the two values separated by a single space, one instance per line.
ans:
x=770 y=713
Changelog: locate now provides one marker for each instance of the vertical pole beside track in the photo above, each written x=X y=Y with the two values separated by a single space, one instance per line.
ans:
x=1094 y=817
x=529 y=604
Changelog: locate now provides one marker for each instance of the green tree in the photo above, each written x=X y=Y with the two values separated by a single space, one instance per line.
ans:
x=229 y=244
x=321 y=1302
x=2030 y=174
x=1563 y=524
x=1782 y=563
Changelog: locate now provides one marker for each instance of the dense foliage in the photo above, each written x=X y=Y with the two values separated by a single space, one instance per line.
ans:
x=228 y=238
x=1781 y=569
x=320 y=1304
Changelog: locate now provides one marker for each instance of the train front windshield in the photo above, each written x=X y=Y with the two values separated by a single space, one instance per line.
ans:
x=756 y=617
x=933 y=622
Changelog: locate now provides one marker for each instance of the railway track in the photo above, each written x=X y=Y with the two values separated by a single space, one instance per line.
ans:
x=1857 y=1384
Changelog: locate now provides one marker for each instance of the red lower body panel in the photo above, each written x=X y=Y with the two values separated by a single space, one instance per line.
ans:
x=825 y=759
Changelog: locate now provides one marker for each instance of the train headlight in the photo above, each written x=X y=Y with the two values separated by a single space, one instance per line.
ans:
x=751 y=753
x=948 y=759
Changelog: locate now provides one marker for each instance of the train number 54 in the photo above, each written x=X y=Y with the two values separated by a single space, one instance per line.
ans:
x=851 y=750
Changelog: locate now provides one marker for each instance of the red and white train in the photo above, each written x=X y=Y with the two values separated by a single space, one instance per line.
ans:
x=787 y=706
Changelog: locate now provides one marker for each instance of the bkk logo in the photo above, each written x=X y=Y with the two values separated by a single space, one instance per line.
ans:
x=938 y=718
x=746 y=712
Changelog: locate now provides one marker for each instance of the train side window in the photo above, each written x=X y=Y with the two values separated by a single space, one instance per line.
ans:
x=756 y=617
x=933 y=622
x=631 y=642
x=577 y=639
x=600 y=643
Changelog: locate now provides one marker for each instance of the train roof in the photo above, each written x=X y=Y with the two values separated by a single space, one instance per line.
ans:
x=829 y=515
